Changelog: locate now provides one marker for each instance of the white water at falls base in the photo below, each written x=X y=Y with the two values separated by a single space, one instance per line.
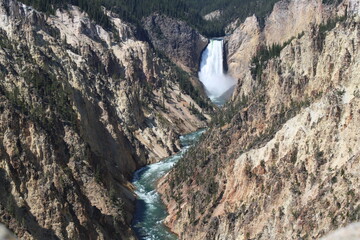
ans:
x=211 y=73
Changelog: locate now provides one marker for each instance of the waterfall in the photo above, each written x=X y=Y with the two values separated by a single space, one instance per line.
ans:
x=211 y=73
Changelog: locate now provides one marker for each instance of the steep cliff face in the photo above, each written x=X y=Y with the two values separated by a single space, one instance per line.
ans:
x=287 y=20
x=177 y=40
x=241 y=46
x=81 y=108
x=290 y=18
x=282 y=160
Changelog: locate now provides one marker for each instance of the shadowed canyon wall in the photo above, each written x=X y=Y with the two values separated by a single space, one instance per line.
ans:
x=81 y=109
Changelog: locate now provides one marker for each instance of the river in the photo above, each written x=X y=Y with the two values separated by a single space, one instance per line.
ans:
x=150 y=210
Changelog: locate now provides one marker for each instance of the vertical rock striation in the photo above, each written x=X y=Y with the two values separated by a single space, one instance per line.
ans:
x=178 y=41
x=282 y=160
x=81 y=108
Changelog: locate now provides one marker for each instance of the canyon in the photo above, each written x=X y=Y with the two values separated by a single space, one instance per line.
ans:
x=81 y=109
x=280 y=161
x=87 y=112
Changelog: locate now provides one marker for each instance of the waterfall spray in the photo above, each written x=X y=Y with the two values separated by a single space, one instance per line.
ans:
x=211 y=73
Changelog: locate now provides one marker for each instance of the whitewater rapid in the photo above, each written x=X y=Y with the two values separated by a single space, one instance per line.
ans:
x=212 y=73
x=150 y=211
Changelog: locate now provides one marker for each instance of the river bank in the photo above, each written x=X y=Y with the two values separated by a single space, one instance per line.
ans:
x=150 y=210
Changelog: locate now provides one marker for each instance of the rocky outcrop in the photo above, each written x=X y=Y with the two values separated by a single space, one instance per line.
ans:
x=287 y=20
x=241 y=47
x=178 y=41
x=282 y=160
x=81 y=109
x=213 y=15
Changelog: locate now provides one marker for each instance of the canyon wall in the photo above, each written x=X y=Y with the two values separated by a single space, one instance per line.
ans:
x=81 y=109
x=287 y=20
x=177 y=40
x=281 y=161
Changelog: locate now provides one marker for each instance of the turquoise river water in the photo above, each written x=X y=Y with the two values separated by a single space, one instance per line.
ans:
x=150 y=211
